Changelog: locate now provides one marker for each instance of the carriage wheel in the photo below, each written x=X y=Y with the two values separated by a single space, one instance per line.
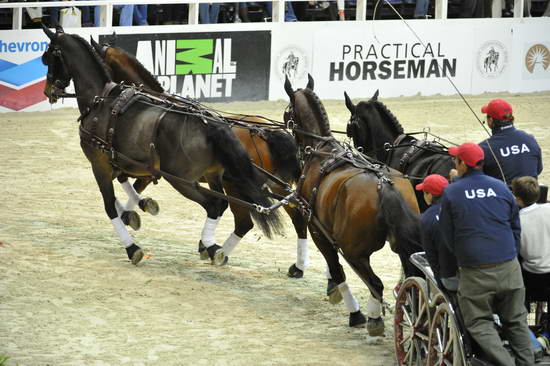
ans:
x=444 y=348
x=412 y=322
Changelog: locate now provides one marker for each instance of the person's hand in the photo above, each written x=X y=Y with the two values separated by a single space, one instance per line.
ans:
x=453 y=174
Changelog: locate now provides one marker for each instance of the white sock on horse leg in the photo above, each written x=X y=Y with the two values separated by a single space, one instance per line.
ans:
x=133 y=196
x=230 y=243
x=374 y=308
x=208 y=231
x=327 y=272
x=119 y=207
x=302 y=254
x=123 y=234
x=351 y=303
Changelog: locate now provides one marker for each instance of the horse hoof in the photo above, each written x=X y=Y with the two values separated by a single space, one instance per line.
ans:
x=220 y=259
x=149 y=205
x=375 y=327
x=357 y=319
x=202 y=251
x=333 y=293
x=295 y=272
x=132 y=219
x=135 y=254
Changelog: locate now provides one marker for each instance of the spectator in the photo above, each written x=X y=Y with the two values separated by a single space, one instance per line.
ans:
x=208 y=13
x=289 y=11
x=140 y=14
x=127 y=14
x=479 y=222
x=535 y=236
x=442 y=261
x=54 y=15
x=518 y=152
x=421 y=9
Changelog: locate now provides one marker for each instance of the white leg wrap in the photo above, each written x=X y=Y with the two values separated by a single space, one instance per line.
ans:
x=123 y=234
x=351 y=303
x=119 y=207
x=340 y=4
x=327 y=272
x=302 y=252
x=374 y=308
x=208 y=231
x=230 y=243
x=133 y=196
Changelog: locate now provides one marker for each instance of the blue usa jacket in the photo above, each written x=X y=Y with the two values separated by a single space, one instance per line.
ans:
x=442 y=261
x=517 y=151
x=479 y=220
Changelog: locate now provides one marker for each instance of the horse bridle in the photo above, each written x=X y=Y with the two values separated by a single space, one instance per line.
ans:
x=60 y=82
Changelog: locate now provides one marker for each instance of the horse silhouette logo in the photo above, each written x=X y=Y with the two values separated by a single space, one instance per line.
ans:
x=292 y=63
x=537 y=56
x=290 y=66
x=492 y=59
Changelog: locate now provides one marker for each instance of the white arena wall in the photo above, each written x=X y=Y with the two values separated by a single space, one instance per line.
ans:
x=249 y=60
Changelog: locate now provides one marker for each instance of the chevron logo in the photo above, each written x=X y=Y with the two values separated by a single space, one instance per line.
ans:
x=22 y=85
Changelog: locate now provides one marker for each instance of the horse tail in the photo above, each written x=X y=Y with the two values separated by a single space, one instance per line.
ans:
x=240 y=172
x=401 y=222
x=284 y=155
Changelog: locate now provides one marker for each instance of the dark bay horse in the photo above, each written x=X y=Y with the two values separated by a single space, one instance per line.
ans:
x=130 y=133
x=373 y=127
x=356 y=205
x=268 y=147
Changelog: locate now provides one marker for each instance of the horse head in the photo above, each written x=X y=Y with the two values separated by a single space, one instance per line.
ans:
x=70 y=57
x=58 y=77
x=371 y=126
x=306 y=115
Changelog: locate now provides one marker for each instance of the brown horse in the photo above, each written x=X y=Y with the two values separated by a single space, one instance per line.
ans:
x=268 y=147
x=145 y=136
x=356 y=205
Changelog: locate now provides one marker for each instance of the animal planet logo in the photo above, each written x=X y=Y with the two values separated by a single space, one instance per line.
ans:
x=21 y=85
x=537 y=57
x=492 y=59
x=292 y=63
x=205 y=65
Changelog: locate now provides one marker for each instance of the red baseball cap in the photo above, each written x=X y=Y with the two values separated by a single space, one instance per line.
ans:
x=469 y=153
x=498 y=109
x=433 y=184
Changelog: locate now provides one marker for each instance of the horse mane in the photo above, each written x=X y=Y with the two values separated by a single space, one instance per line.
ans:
x=103 y=66
x=141 y=70
x=320 y=112
x=389 y=116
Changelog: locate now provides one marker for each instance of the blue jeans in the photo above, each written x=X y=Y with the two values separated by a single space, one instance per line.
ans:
x=126 y=15
x=140 y=14
x=421 y=9
x=54 y=14
x=208 y=13
x=289 y=11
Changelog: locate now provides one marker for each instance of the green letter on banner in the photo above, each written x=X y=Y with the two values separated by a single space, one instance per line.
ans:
x=193 y=59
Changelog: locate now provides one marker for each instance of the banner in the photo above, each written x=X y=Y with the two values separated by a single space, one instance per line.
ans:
x=213 y=67
x=22 y=74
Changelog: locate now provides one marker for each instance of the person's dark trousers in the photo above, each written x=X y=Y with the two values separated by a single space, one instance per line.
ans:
x=472 y=9
x=496 y=289
x=537 y=287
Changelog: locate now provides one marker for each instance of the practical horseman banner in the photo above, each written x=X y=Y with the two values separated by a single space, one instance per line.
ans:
x=212 y=67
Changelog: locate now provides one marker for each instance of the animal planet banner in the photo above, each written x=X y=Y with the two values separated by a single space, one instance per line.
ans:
x=213 y=67
x=22 y=74
x=388 y=56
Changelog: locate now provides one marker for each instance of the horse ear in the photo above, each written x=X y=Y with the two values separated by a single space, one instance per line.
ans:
x=97 y=47
x=349 y=103
x=288 y=89
x=49 y=33
x=309 y=82
x=59 y=29
x=375 y=96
